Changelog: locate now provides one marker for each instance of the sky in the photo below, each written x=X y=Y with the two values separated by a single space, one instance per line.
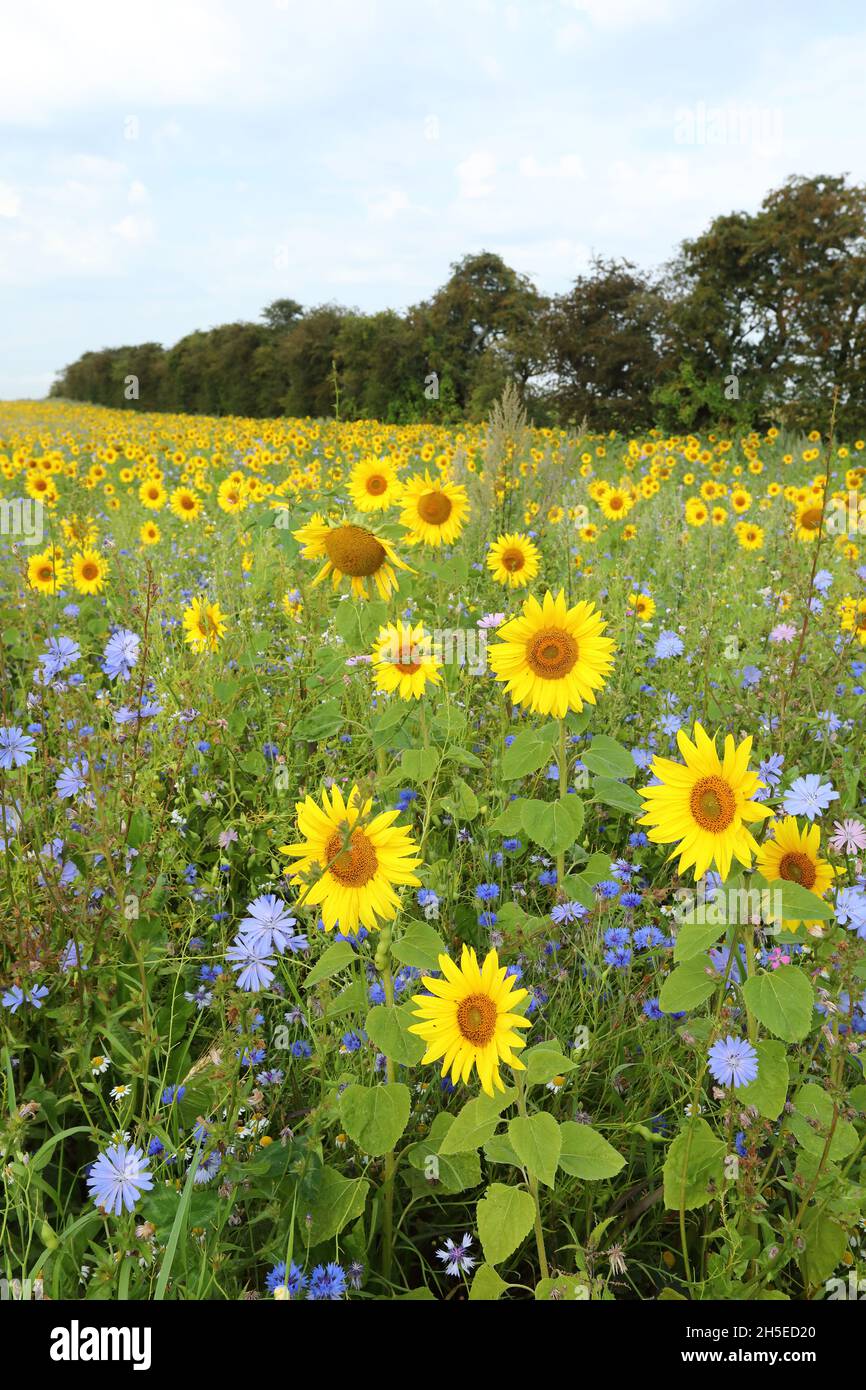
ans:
x=178 y=164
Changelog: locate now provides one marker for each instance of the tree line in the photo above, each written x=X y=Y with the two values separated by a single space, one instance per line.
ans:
x=754 y=322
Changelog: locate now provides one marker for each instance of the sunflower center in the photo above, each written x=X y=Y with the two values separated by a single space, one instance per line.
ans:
x=45 y=573
x=811 y=518
x=476 y=1018
x=713 y=804
x=89 y=570
x=187 y=503
x=434 y=508
x=513 y=560
x=552 y=653
x=615 y=503
x=354 y=551
x=797 y=867
x=354 y=864
x=376 y=485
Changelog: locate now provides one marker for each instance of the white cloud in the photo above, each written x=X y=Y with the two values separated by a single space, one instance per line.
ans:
x=475 y=174
x=10 y=201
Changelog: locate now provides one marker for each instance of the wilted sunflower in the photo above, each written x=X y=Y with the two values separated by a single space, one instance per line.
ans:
x=374 y=485
x=351 y=552
x=361 y=860
x=513 y=560
x=702 y=805
x=433 y=510
x=204 y=625
x=403 y=660
x=469 y=1019
x=553 y=658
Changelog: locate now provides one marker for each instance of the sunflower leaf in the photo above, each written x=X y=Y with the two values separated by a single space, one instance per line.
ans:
x=505 y=1216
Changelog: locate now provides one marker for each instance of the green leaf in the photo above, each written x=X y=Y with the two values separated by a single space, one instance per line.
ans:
x=419 y=946
x=419 y=764
x=387 y=1029
x=505 y=1217
x=254 y=763
x=323 y=721
x=617 y=795
x=529 y=751
x=375 y=1116
x=462 y=803
x=694 y=1159
x=693 y=941
x=826 y=1243
x=537 y=1142
x=486 y=1286
x=337 y=957
x=543 y=1062
x=783 y=1000
x=607 y=758
x=811 y=1120
x=445 y=1172
x=687 y=986
x=139 y=828
x=587 y=1154
x=476 y=1123
x=337 y=1202
x=770 y=1089
x=510 y=821
x=555 y=825
x=787 y=901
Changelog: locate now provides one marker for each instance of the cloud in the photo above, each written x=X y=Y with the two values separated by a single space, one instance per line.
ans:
x=475 y=174
x=10 y=201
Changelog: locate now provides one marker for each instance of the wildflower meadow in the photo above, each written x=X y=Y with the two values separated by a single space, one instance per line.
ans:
x=433 y=860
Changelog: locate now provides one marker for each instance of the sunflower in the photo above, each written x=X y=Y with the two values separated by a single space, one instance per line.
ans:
x=374 y=485
x=360 y=859
x=204 y=625
x=702 y=806
x=642 y=606
x=808 y=520
x=152 y=494
x=792 y=856
x=88 y=571
x=149 y=533
x=852 y=613
x=513 y=560
x=469 y=1019
x=750 y=537
x=553 y=658
x=352 y=552
x=615 y=503
x=46 y=572
x=231 y=495
x=433 y=510
x=186 y=504
x=403 y=660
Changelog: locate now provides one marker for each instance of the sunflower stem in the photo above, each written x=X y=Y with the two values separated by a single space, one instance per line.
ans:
x=533 y=1187
x=563 y=792
x=383 y=955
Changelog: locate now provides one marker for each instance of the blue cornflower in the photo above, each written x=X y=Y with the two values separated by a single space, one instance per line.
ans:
x=118 y=1178
x=733 y=1062
x=631 y=899
x=851 y=910
x=619 y=957
x=617 y=936
x=608 y=888
x=172 y=1093
x=565 y=914
x=652 y=1010
x=511 y=845
x=327 y=1283
x=808 y=796
x=270 y=922
x=301 y=1048
x=487 y=892
x=648 y=936
x=295 y=1283
x=16 y=748
x=668 y=644
x=121 y=654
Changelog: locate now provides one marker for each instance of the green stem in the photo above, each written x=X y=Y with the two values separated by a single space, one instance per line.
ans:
x=533 y=1187
x=383 y=962
x=563 y=792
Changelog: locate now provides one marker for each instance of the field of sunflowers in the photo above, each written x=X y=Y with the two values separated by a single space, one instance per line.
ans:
x=433 y=861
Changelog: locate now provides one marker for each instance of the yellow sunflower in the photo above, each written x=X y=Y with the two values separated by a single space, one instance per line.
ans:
x=152 y=494
x=642 y=606
x=149 y=533
x=359 y=858
x=852 y=614
x=46 y=572
x=88 y=571
x=433 y=510
x=513 y=560
x=204 y=625
x=374 y=485
x=469 y=1019
x=351 y=552
x=792 y=856
x=615 y=503
x=403 y=660
x=553 y=658
x=702 y=806
x=186 y=504
x=807 y=522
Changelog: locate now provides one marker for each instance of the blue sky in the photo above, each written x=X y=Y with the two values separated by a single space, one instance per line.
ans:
x=169 y=166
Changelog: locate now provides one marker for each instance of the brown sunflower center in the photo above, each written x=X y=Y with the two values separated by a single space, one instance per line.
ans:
x=476 y=1018
x=552 y=653
x=712 y=804
x=187 y=503
x=435 y=508
x=89 y=570
x=797 y=867
x=354 y=864
x=810 y=519
x=513 y=560
x=615 y=503
x=354 y=551
x=45 y=573
x=376 y=485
